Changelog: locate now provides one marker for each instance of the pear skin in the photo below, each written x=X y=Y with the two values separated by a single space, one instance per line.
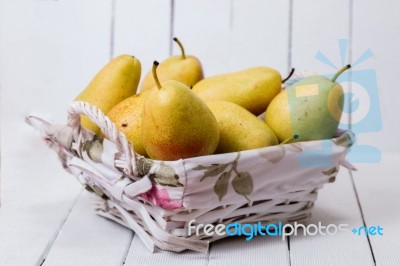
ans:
x=277 y=116
x=252 y=88
x=127 y=117
x=308 y=110
x=177 y=124
x=115 y=82
x=239 y=129
x=184 y=68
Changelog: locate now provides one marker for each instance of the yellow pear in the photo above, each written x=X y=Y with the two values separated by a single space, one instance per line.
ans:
x=115 y=82
x=252 y=88
x=177 y=124
x=239 y=129
x=184 y=68
x=127 y=117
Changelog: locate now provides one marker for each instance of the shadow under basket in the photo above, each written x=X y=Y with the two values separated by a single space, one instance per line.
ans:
x=159 y=199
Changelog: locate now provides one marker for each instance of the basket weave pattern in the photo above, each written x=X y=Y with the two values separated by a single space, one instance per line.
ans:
x=157 y=199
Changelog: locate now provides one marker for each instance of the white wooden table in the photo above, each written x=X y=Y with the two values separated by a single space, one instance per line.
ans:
x=49 y=50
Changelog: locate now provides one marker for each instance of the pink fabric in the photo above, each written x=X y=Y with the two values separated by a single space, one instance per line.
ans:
x=160 y=197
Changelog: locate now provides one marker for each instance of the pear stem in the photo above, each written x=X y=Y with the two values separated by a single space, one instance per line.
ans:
x=180 y=46
x=340 y=71
x=155 y=65
x=289 y=140
x=288 y=77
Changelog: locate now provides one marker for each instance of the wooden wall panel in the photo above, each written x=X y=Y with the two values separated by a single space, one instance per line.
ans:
x=142 y=28
x=259 y=34
x=203 y=27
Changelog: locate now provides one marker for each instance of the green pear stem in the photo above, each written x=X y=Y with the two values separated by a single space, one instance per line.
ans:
x=340 y=71
x=181 y=46
x=288 y=77
x=154 y=70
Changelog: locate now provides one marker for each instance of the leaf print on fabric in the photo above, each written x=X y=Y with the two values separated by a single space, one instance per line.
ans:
x=273 y=154
x=294 y=147
x=94 y=149
x=200 y=167
x=144 y=165
x=214 y=170
x=221 y=186
x=166 y=176
x=344 y=141
x=243 y=184
x=331 y=171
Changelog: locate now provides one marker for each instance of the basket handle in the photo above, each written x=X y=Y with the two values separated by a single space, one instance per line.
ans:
x=107 y=127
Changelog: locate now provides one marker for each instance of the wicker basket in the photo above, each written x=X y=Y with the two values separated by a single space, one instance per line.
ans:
x=157 y=199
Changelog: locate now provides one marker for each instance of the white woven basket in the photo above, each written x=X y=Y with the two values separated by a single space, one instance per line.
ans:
x=157 y=199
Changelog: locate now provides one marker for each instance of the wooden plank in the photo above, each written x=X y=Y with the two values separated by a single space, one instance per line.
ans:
x=374 y=28
x=37 y=197
x=203 y=27
x=258 y=251
x=260 y=34
x=139 y=255
x=313 y=32
x=336 y=204
x=49 y=51
x=378 y=190
x=87 y=238
x=377 y=184
x=142 y=28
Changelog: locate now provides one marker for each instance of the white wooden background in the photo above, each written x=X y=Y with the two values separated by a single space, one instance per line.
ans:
x=49 y=51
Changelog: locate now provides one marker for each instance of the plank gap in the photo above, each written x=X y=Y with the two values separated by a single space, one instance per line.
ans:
x=288 y=245
x=171 y=27
x=350 y=51
x=208 y=253
x=290 y=29
x=112 y=28
x=231 y=15
x=230 y=27
x=362 y=214
x=49 y=245
x=128 y=247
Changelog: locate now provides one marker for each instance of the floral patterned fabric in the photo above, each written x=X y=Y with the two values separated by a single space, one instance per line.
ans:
x=210 y=181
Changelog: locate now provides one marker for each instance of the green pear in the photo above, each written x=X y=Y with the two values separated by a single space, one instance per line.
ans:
x=252 y=88
x=115 y=82
x=239 y=129
x=176 y=123
x=308 y=110
x=184 y=68
x=127 y=117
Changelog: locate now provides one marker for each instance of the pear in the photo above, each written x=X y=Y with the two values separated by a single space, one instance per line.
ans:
x=239 y=129
x=252 y=88
x=177 y=124
x=115 y=82
x=308 y=110
x=184 y=68
x=127 y=117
